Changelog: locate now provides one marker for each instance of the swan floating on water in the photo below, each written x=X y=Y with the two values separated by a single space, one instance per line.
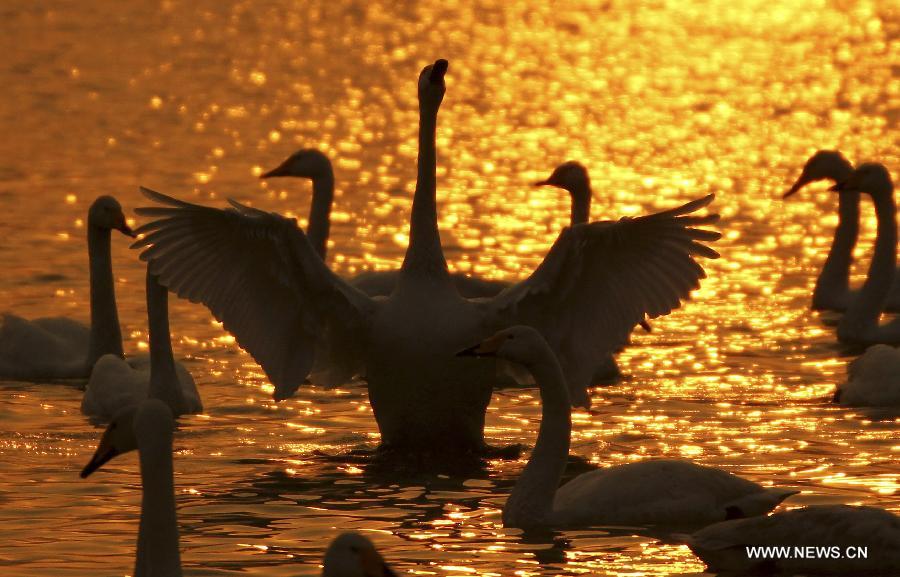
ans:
x=148 y=428
x=259 y=275
x=116 y=383
x=61 y=348
x=836 y=528
x=860 y=324
x=873 y=379
x=662 y=492
x=832 y=290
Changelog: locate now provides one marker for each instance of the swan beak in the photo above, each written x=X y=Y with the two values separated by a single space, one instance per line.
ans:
x=840 y=187
x=438 y=70
x=646 y=326
x=486 y=348
x=126 y=230
x=802 y=181
x=545 y=182
x=102 y=455
x=280 y=170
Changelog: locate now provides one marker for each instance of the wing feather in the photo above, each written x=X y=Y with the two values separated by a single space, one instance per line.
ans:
x=258 y=275
x=600 y=279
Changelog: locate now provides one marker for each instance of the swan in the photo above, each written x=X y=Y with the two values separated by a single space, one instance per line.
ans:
x=873 y=379
x=832 y=290
x=724 y=546
x=148 y=428
x=668 y=492
x=61 y=348
x=313 y=164
x=860 y=323
x=116 y=383
x=257 y=272
x=572 y=177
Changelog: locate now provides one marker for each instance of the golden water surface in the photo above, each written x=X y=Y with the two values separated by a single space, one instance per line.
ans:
x=663 y=101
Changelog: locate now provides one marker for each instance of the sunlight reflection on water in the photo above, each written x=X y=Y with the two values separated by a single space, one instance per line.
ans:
x=662 y=101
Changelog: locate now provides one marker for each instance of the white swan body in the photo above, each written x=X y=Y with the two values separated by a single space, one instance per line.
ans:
x=661 y=492
x=832 y=290
x=873 y=379
x=860 y=324
x=258 y=273
x=116 y=383
x=60 y=348
x=835 y=528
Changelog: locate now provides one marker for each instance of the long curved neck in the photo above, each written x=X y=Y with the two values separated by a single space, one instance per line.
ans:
x=164 y=383
x=320 y=213
x=157 y=547
x=581 y=203
x=530 y=502
x=106 y=336
x=867 y=307
x=424 y=253
x=835 y=275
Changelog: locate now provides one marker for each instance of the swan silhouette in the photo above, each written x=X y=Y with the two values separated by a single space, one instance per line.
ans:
x=314 y=165
x=832 y=290
x=148 y=428
x=724 y=546
x=116 y=383
x=258 y=274
x=61 y=348
x=873 y=379
x=860 y=324
x=666 y=492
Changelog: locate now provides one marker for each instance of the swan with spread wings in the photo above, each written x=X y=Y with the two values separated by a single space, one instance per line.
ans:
x=258 y=274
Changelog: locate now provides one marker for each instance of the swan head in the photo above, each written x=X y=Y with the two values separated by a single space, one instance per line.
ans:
x=152 y=419
x=571 y=176
x=352 y=555
x=106 y=214
x=823 y=165
x=872 y=178
x=519 y=344
x=431 y=84
x=306 y=163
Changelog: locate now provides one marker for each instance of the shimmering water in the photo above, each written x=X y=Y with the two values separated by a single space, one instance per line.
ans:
x=663 y=101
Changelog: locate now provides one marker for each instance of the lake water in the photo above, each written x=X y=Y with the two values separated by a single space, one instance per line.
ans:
x=662 y=101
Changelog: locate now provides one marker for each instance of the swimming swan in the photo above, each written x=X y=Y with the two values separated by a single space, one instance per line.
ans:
x=61 y=348
x=116 y=383
x=667 y=492
x=832 y=290
x=873 y=379
x=835 y=528
x=860 y=323
x=148 y=427
x=258 y=274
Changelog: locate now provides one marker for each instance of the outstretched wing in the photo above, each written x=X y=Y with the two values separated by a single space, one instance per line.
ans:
x=600 y=279
x=258 y=275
